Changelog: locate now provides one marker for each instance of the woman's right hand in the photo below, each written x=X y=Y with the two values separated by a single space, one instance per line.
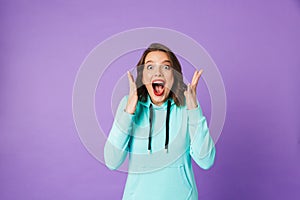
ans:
x=132 y=97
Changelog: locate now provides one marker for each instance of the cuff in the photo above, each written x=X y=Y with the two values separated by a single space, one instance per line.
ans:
x=194 y=115
x=124 y=121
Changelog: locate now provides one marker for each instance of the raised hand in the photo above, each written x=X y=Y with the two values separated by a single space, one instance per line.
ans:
x=190 y=93
x=132 y=97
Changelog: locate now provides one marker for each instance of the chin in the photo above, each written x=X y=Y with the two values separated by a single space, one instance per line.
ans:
x=158 y=100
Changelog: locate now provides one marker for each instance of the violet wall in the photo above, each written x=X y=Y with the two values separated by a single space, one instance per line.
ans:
x=255 y=45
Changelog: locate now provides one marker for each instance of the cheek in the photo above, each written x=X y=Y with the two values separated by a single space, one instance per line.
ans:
x=146 y=77
x=170 y=78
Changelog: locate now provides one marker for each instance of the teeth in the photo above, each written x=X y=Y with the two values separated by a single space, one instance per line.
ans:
x=158 y=82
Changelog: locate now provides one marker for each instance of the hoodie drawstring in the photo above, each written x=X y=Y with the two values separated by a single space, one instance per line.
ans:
x=167 y=126
x=150 y=129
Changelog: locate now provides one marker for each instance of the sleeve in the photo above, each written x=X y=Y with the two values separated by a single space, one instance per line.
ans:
x=202 y=148
x=116 y=147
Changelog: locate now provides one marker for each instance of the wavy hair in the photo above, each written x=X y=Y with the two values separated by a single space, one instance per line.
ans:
x=178 y=88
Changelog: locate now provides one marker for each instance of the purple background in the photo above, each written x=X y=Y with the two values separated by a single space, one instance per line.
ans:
x=255 y=45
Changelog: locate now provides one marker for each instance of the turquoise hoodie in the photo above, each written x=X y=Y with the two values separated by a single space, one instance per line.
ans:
x=163 y=173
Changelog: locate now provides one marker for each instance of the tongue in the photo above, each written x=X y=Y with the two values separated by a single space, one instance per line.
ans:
x=158 y=90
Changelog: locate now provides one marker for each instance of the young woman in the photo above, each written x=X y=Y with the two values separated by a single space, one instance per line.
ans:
x=161 y=126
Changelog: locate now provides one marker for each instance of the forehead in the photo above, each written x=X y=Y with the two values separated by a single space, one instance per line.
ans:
x=157 y=56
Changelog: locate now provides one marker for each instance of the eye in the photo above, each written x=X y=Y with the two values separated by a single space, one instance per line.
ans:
x=149 y=67
x=167 y=67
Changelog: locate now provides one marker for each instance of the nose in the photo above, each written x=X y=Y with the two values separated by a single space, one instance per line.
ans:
x=158 y=71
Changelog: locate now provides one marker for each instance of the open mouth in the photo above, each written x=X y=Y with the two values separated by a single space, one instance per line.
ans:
x=158 y=87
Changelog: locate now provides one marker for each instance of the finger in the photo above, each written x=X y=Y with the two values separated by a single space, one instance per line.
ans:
x=130 y=77
x=194 y=77
x=200 y=72
x=132 y=85
x=197 y=77
x=188 y=88
x=194 y=80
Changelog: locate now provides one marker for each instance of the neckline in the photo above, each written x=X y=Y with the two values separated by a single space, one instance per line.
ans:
x=162 y=106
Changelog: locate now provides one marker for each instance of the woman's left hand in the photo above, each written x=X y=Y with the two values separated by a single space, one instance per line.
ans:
x=190 y=93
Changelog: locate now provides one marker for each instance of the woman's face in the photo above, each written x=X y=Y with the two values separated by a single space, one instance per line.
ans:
x=158 y=76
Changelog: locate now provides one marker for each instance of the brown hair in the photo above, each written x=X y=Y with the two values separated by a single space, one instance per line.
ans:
x=178 y=88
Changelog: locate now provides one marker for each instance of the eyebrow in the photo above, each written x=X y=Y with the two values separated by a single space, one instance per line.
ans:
x=150 y=61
